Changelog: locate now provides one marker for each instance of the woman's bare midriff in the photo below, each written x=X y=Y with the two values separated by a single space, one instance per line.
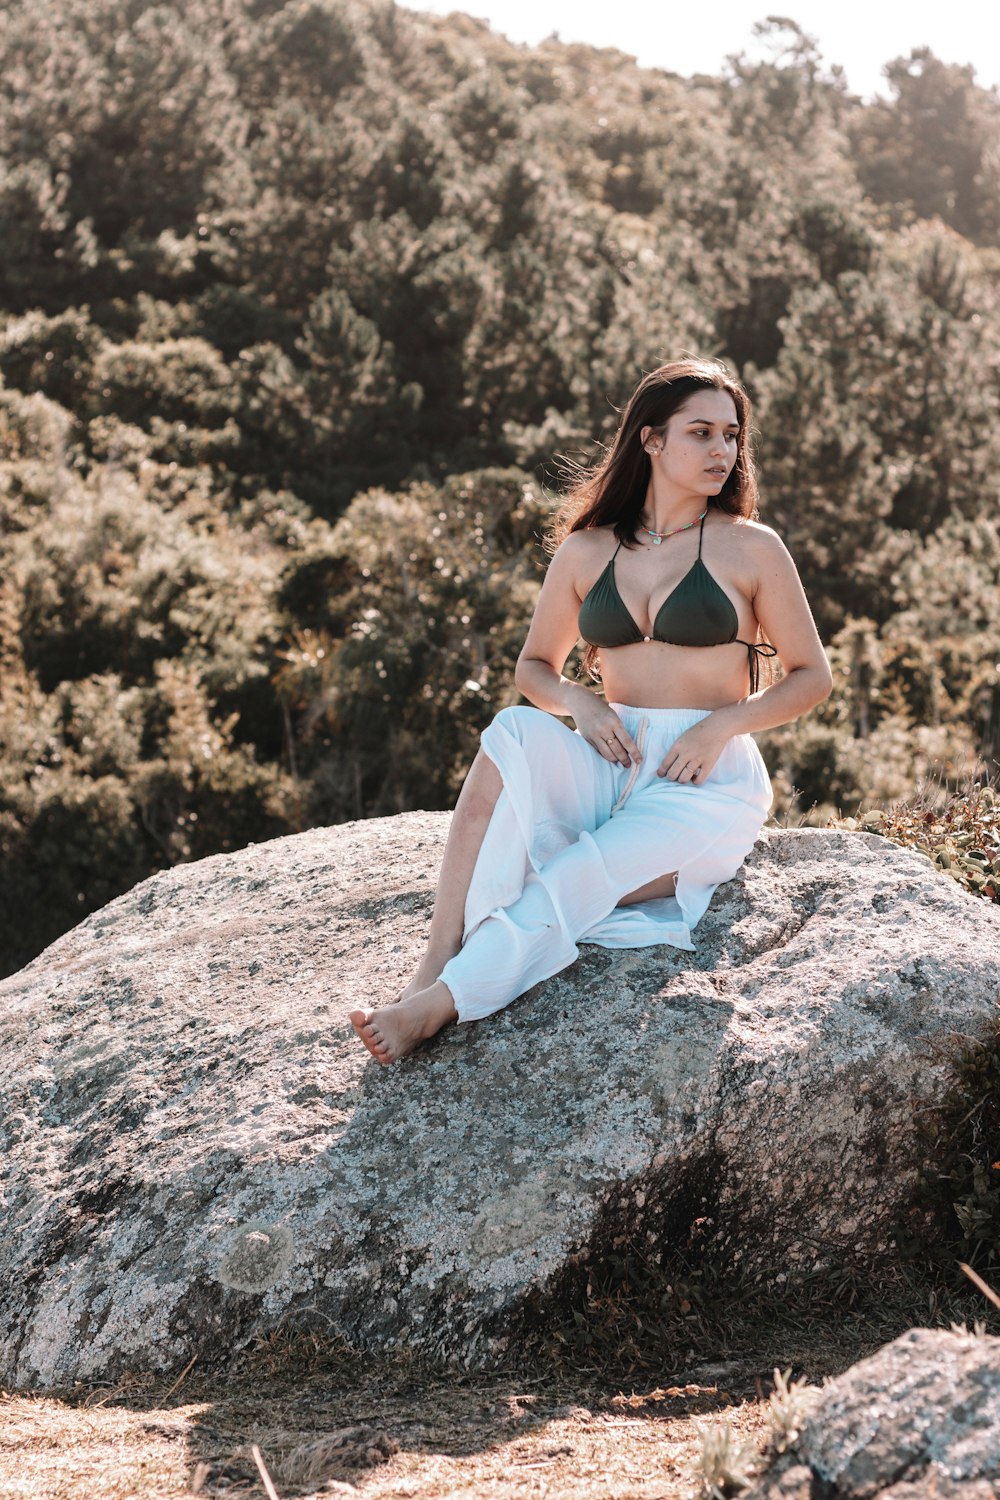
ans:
x=652 y=674
x=673 y=679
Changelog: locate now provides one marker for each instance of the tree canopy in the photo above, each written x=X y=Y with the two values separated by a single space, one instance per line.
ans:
x=299 y=305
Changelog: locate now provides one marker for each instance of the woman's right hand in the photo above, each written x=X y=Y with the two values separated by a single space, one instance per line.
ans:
x=601 y=727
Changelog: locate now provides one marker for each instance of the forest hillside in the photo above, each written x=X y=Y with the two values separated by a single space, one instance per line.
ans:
x=299 y=305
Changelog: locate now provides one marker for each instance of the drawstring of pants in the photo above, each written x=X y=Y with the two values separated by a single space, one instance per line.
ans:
x=640 y=740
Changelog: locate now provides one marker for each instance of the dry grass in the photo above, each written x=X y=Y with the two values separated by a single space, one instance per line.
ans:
x=377 y=1432
x=56 y=1448
x=326 y=1422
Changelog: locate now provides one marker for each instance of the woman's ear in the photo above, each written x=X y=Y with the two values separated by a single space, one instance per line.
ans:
x=650 y=440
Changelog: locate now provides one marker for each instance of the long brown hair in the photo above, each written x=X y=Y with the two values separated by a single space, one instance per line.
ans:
x=613 y=492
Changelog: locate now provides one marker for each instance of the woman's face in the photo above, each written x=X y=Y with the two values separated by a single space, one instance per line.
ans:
x=698 y=449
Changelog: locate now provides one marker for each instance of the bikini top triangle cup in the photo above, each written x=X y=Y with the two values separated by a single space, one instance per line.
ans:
x=696 y=613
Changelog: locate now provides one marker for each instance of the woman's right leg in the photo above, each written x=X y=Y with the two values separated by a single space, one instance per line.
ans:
x=557 y=785
x=469 y=822
x=473 y=810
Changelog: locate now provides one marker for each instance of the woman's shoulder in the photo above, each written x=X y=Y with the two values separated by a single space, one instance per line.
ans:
x=585 y=546
x=587 y=538
x=755 y=535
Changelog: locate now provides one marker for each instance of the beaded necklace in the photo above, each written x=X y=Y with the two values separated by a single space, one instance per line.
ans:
x=659 y=536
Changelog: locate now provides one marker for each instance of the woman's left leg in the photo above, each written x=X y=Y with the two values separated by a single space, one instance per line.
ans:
x=653 y=890
x=664 y=825
x=659 y=829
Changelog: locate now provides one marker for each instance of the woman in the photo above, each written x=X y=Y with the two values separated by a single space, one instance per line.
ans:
x=619 y=833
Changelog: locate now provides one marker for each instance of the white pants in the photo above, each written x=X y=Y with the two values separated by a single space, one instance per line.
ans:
x=572 y=833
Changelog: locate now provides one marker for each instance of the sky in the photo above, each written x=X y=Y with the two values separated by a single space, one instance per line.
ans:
x=694 y=37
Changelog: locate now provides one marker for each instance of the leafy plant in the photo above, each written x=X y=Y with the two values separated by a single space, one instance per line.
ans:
x=961 y=838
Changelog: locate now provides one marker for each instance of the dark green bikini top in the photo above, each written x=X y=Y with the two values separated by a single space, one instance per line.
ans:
x=697 y=613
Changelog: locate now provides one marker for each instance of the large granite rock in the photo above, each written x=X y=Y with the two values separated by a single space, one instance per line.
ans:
x=919 y=1420
x=197 y=1149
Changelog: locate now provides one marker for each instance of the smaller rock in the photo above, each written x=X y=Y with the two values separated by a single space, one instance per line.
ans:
x=918 y=1420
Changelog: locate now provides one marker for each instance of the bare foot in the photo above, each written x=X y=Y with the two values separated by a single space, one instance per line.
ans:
x=392 y=1031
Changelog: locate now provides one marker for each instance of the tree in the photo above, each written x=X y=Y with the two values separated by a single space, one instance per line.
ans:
x=933 y=149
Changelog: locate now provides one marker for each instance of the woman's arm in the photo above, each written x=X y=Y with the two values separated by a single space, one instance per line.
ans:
x=782 y=609
x=551 y=637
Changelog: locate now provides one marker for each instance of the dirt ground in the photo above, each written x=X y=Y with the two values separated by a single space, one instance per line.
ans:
x=331 y=1423
x=495 y=1437
x=613 y=1404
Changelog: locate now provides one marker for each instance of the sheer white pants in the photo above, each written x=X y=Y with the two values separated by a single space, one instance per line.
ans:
x=572 y=833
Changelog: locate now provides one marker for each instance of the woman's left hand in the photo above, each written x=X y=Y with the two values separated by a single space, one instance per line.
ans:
x=692 y=756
